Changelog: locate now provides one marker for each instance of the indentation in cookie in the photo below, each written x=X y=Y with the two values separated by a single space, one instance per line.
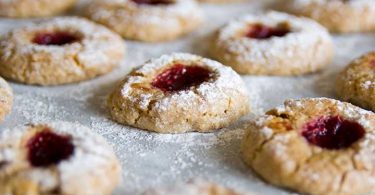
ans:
x=55 y=38
x=372 y=63
x=261 y=31
x=47 y=148
x=181 y=77
x=332 y=132
x=153 y=2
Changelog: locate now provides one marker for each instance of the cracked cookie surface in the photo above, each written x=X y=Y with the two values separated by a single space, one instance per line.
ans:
x=6 y=99
x=147 y=20
x=56 y=158
x=178 y=93
x=286 y=147
x=194 y=188
x=337 y=15
x=59 y=51
x=356 y=83
x=273 y=43
x=34 y=8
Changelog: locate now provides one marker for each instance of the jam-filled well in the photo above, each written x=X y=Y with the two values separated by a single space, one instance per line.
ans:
x=333 y=132
x=181 y=77
x=47 y=148
x=55 y=38
x=260 y=31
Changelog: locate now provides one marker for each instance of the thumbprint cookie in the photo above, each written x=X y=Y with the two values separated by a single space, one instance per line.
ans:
x=34 y=8
x=56 y=158
x=6 y=99
x=356 y=83
x=339 y=16
x=178 y=93
x=273 y=44
x=314 y=146
x=147 y=20
x=59 y=51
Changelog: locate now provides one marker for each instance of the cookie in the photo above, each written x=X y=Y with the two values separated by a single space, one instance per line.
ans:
x=315 y=146
x=56 y=158
x=6 y=99
x=194 y=188
x=179 y=93
x=147 y=20
x=273 y=44
x=59 y=51
x=339 y=16
x=34 y=8
x=356 y=83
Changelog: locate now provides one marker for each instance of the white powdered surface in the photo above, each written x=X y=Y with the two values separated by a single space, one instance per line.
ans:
x=151 y=159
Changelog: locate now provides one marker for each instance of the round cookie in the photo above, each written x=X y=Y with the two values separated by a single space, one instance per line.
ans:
x=56 y=158
x=315 y=146
x=273 y=44
x=6 y=99
x=34 y=8
x=179 y=93
x=356 y=83
x=59 y=51
x=147 y=20
x=340 y=16
x=194 y=188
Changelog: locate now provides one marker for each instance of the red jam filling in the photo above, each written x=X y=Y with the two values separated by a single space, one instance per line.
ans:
x=260 y=31
x=181 y=77
x=153 y=2
x=333 y=132
x=372 y=64
x=46 y=148
x=55 y=38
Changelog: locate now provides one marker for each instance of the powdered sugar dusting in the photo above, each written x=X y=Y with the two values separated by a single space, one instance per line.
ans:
x=92 y=47
x=209 y=90
x=153 y=160
x=304 y=35
x=166 y=15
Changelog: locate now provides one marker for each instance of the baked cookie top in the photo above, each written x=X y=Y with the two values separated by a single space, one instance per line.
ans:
x=314 y=146
x=6 y=98
x=341 y=16
x=178 y=93
x=273 y=43
x=58 y=51
x=356 y=83
x=59 y=157
x=147 y=20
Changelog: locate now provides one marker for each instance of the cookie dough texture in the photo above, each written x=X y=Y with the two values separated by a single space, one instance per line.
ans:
x=98 y=51
x=356 y=83
x=34 y=8
x=307 y=48
x=211 y=105
x=337 y=15
x=275 y=149
x=143 y=22
x=92 y=169
x=6 y=99
x=194 y=188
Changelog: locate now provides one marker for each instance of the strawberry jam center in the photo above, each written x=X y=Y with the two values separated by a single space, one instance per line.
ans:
x=46 y=148
x=372 y=64
x=181 y=77
x=153 y=2
x=55 y=38
x=333 y=132
x=260 y=31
